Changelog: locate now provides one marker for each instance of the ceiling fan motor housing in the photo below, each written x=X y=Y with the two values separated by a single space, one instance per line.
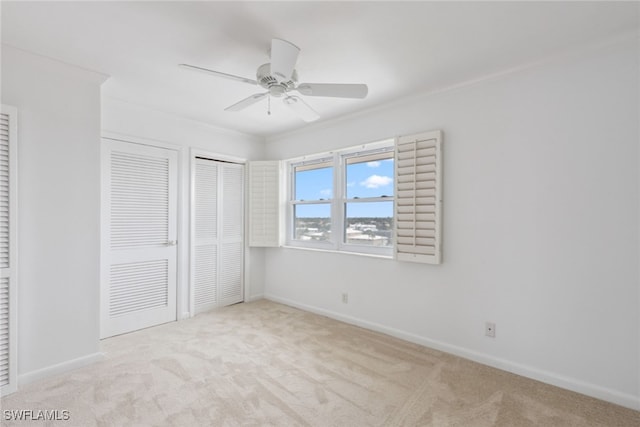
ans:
x=275 y=88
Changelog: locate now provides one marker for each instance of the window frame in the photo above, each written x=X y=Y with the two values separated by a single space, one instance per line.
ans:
x=292 y=202
x=338 y=202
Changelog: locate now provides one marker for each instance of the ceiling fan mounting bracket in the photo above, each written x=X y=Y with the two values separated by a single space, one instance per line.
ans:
x=275 y=88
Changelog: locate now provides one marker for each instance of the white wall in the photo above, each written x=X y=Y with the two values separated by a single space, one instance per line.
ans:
x=541 y=192
x=58 y=210
x=134 y=123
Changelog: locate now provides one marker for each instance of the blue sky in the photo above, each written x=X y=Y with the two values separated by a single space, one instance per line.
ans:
x=367 y=179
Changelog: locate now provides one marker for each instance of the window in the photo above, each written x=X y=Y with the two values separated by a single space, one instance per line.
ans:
x=368 y=205
x=312 y=191
x=344 y=200
x=383 y=198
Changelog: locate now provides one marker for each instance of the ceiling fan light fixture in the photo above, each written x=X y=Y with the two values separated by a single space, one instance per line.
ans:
x=277 y=91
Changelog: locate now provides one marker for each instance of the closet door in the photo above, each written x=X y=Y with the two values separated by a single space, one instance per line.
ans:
x=232 y=242
x=205 y=236
x=140 y=186
x=217 y=234
x=8 y=217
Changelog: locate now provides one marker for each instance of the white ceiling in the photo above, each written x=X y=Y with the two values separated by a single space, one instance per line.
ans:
x=398 y=49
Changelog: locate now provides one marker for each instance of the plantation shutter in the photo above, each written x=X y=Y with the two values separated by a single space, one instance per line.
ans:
x=418 y=200
x=264 y=200
x=8 y=289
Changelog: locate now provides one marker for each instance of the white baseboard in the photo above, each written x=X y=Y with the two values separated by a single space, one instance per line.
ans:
x=59 y=368
x=603 y=393
x=253 y=298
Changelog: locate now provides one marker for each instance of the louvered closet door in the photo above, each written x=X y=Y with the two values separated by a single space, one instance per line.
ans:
x=218 y=238
x=8 y=289
x=205 y=253
x=140 y=248
x=232 y=226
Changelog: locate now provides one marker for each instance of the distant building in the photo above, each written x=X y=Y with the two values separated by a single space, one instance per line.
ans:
x=360 y=233
x=364 y=235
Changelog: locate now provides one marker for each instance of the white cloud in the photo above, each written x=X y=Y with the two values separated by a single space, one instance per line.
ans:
x=351 y=184
x=376 y=181
x=373 y=164
x=326 y=193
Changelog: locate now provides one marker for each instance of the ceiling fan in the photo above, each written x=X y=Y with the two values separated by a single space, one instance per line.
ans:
x=280 y=78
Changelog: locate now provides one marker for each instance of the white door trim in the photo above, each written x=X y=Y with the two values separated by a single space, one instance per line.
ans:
x=138 y=140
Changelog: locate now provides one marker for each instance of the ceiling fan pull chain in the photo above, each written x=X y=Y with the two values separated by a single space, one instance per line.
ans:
x=269 y=105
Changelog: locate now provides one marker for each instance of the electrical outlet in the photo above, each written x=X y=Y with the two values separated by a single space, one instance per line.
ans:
x=345 y=298
x=490 y=329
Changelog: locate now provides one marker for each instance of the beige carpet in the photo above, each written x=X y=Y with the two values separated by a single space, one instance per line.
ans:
x=265 y=364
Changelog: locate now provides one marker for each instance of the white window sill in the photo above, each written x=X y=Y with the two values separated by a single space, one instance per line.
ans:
x=334 y=251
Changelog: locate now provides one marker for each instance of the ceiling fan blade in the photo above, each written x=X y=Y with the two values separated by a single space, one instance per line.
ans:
x=218 y=74
x=334 y=90
x=241 y=105
x=284 y=56
x=301 y=108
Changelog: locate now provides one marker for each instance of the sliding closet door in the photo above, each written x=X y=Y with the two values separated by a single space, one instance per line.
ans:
x=217 y=234
x=140 y=186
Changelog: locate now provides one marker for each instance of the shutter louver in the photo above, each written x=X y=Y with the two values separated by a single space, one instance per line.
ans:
x=8 y=289
x=264 y=204
x=418 y=198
